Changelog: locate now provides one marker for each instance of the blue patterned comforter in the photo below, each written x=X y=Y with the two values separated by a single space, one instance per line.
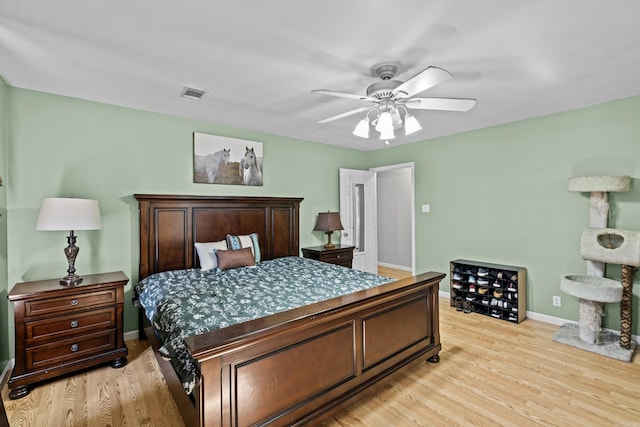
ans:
x=183 y=303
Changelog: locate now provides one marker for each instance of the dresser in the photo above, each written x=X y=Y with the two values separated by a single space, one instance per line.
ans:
x=339 y=255
x=60 y=330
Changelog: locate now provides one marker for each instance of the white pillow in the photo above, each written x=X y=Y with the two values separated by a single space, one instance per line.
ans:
x=208 y=260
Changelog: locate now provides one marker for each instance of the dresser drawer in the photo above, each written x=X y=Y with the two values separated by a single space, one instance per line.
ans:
x=61 y=305
x=69 y=350
x=73 y=324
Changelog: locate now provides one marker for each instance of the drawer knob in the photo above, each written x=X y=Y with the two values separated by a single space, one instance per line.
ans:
x=74 y=323
x=74 y=302
x=74 y=348
x=338 y=256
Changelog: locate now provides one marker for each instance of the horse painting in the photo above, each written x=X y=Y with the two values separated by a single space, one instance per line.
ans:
x=251 y=168
x=211 y=163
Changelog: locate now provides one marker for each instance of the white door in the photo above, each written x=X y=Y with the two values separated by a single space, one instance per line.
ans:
x=358 y=214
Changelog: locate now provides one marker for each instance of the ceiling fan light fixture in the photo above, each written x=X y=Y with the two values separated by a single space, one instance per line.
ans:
x=387 y=134
x=362 y=128
x=396 y=119
x=411 y=125
x=385 y=122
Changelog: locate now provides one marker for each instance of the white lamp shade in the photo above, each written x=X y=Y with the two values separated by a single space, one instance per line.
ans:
x=385 y=122
x=411 y=125
x=387 y=134
x=396 y=120
x=69 y=214
x=362 y=129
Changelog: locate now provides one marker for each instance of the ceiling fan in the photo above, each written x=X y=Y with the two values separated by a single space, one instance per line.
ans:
x=388 y=98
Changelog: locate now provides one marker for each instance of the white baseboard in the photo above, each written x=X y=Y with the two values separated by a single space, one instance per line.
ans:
x=395 y=267
x=548 y=319
x=5 y=371
x=131 y=335
x=544 y=317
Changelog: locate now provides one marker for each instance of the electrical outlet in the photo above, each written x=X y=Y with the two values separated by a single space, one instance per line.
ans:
x=557 y=301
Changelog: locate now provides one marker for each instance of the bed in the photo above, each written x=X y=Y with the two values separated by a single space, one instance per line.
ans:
x=294 y=367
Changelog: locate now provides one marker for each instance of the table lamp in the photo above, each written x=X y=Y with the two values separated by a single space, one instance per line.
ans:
x=69 y=214
x=328 y=222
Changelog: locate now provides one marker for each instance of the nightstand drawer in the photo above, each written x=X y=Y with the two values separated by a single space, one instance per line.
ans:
x=62 y=305
x=70 y=349
x=72 y=324
x=338 y=255
x=344 y=258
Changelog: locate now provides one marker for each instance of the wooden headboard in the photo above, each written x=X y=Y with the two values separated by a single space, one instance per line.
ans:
x=171 y=224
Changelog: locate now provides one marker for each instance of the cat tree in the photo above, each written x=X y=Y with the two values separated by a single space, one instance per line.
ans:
x=599 y=246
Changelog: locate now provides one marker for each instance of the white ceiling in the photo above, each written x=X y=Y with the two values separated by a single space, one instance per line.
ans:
x=259 y=60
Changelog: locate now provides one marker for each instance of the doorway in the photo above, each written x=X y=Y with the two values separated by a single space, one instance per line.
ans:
x=377 y=209
x=396 y=216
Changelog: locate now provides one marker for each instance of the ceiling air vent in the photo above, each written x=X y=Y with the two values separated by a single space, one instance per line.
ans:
x=191 y=93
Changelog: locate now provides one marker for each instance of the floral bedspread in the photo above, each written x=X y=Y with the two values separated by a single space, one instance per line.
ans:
x=183 y=303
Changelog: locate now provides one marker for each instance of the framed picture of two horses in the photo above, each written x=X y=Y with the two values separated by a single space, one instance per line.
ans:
x=223 y=160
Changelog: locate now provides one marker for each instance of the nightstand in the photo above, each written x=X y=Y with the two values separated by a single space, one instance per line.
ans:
x=340 y=255
x=61 y=330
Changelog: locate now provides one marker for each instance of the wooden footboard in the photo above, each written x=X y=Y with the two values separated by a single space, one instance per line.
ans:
x=303 y=365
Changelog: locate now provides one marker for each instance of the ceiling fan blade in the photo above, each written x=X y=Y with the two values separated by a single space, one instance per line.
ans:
x=446 y=104
x=343 y=95
x=348 y=113
x=425 y=79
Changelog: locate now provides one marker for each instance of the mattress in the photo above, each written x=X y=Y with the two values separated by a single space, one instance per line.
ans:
x=182 y=303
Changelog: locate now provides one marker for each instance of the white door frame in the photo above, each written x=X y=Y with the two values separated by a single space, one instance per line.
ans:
x=411 y=166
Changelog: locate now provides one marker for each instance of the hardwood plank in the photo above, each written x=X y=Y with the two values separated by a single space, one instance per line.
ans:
x=496 y=373
x=135 y=395
x=393 y=272
x=491 y=373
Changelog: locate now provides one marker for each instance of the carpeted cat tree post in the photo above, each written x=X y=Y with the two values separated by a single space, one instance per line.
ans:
x=600 y=246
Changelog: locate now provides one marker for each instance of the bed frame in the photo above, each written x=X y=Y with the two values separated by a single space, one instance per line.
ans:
x=292 y=368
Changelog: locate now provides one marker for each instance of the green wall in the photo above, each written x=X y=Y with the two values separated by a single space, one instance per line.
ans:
x=65 y=147
x=500 y=195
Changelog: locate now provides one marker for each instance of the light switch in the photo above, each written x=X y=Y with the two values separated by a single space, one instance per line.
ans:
x=426 y=208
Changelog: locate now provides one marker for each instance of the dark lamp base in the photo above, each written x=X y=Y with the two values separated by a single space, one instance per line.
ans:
x=71 y=251
x=329 y=245
x=71 y=280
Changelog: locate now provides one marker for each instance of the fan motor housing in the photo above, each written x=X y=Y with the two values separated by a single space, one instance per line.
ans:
x=383 y=89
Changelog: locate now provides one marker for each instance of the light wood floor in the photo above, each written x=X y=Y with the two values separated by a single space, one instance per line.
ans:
x=135 y=395
x=393 y=272
x=491 y=373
